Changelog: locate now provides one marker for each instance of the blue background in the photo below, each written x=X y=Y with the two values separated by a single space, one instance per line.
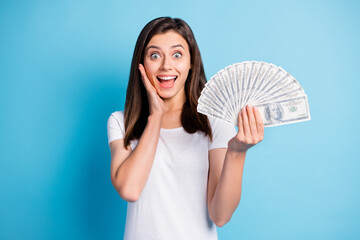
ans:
x=64 y=70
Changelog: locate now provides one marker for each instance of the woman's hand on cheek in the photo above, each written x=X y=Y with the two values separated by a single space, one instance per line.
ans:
x=250 y=130
x=156 y=104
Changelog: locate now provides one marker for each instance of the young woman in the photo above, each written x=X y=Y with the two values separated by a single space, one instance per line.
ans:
x=179 y=170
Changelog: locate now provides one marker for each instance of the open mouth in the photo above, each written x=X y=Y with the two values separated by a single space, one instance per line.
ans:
x=166 y=81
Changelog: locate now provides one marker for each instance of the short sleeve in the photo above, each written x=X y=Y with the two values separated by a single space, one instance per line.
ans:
x=222 y=133
x=115 y=126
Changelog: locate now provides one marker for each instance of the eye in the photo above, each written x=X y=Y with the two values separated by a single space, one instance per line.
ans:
x=177 y=55
x=154 y=55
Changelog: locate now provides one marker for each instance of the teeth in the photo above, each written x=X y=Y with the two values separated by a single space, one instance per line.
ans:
x=166 y=78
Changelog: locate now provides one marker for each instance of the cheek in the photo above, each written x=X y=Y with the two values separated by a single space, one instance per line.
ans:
x=149 y=67
x=150 y=70
x=184 y=68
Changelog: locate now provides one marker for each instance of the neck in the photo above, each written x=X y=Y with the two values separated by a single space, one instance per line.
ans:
x=171 y=105
x=175 y=103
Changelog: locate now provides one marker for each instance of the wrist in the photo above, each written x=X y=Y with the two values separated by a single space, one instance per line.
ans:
x=155 y=119
x=236 y=154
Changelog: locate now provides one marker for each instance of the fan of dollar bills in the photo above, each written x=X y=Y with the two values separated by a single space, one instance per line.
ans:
x=277 y=95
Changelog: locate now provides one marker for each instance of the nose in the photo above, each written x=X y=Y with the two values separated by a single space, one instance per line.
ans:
x=166 y=63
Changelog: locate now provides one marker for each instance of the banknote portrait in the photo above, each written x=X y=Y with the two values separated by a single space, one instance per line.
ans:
x=273 y=113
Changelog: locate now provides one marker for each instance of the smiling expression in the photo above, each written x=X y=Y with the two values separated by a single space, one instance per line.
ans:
x=167 y=63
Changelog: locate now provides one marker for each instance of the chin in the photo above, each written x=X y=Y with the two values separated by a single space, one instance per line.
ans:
x=166 y=95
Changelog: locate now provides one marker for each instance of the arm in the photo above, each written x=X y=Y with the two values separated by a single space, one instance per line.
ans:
x=130 y=169
x=226 y=167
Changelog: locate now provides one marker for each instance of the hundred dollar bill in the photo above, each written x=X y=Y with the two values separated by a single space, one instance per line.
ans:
x=201 y=108
x=227 y=88
x=254 y=72
x=210 y=101
x=264 y=74
x=219 y=94
x=284 y=111
x=231 y=75
x=277 y=94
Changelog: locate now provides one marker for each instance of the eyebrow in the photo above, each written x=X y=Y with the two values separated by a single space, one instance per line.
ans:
x=177 y=45
x=173 y=46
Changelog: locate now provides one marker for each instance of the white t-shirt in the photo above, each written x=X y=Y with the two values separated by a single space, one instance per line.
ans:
x=173 y=204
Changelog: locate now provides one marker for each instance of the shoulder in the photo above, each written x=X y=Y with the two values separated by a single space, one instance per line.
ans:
x=222 y=132
x=117 y=115
x=115 y=126
x=216 y=123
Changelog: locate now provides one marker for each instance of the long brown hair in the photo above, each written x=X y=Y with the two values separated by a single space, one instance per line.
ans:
x=136 y=111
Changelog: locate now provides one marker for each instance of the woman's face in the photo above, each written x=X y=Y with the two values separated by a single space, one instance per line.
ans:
x=167 y=63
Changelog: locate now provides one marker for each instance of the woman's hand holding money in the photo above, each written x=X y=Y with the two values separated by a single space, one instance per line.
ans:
x=250 y=130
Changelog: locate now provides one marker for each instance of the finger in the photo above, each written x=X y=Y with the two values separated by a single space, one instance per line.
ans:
x=148 y=85
x=252 y=123
x=245 y=122
x=259 y=123
x=240 y=126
